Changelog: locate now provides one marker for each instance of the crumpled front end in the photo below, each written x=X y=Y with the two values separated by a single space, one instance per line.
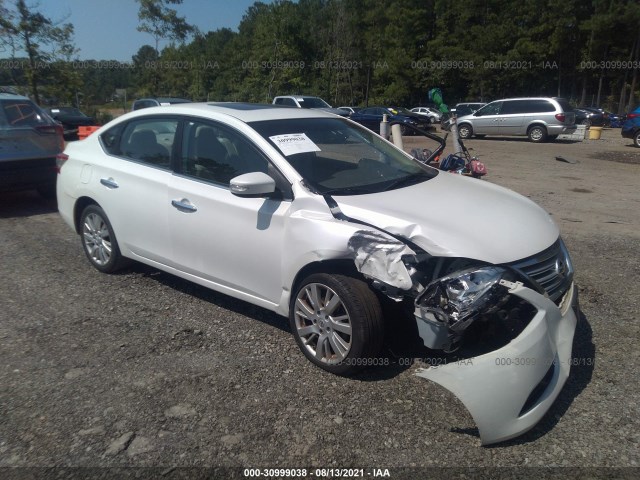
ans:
x=505 y=331
x=508 y=390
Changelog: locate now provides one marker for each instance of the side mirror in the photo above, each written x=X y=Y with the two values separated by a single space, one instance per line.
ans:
x=254 y=184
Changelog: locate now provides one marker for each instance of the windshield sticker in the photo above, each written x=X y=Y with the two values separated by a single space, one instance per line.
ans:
x=292 y=143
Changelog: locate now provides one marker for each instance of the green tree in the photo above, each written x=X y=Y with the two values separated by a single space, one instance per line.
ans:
x=42 y=40
x=162 y=22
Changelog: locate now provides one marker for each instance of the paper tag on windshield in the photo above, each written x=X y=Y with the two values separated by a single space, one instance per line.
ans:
x=292 y=143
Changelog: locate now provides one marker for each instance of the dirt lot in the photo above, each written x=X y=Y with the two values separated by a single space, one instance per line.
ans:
x=142 y=369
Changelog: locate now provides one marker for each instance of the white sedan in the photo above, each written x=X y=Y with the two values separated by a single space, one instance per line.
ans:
x=321 y=220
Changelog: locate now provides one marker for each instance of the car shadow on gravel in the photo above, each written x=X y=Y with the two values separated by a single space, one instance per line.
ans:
x=210 y=296
x=25 y=204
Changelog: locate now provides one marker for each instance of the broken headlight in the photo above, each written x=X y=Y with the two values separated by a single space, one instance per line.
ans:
x=449 y=305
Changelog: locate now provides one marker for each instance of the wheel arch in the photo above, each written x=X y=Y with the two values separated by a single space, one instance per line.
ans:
x=78 y=208
x=343 y=266
x=537 y=124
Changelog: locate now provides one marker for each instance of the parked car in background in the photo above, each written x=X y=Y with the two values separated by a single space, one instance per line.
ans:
x=588 y=117
x=615 y=120
x=465 y=108
x=433 y=115
x=156 y=102
x=631 y=127
x=30 y=140
x=313 y=217
x=305 y=101
x=371 y=117
x=539 y=118
x=350 y=110
x=71 y=118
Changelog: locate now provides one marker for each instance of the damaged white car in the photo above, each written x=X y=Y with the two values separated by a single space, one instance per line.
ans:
x=319 y=219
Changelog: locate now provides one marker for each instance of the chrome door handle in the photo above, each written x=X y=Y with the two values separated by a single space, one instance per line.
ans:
x=184 y=205
x=109 y=182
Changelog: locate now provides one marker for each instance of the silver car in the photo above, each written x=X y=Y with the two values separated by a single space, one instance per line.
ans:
x=539 y=118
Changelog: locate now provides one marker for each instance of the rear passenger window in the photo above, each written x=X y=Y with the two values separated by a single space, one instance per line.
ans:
x=540 y=106
x=148 y=141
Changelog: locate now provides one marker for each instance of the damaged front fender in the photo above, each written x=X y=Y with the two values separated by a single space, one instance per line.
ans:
x=379 y=256
x=509 y=390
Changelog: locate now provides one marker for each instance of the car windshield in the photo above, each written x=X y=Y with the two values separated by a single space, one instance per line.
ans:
x=337 y=157
x=313 y=102
x=402 y=110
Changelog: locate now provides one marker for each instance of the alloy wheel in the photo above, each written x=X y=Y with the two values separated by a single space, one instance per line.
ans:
x=323 y=323
x=97 y=239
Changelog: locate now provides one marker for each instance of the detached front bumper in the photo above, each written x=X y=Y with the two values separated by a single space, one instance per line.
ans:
x=509 y=390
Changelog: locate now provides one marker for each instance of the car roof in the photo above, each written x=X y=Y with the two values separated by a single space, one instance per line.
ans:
x=12 y=96
x=165 y=99
x=245 y=112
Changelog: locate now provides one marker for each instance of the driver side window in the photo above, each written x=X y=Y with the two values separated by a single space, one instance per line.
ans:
x=491 y=109
x=216 y=154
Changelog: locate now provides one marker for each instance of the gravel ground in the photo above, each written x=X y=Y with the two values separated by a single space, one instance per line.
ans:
x=142 y=369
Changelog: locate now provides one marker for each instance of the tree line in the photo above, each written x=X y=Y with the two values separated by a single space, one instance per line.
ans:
x=350 y=52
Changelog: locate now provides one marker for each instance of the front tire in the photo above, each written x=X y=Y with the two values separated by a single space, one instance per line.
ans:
x=99 y=241
x=465 y=131
x=337 y=322
x=537 y=134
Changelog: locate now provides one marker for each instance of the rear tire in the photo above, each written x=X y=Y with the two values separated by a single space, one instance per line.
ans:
x=537 y=134
x=99 y=241
x=337 y=322
x=636 y=139
x=465 y=131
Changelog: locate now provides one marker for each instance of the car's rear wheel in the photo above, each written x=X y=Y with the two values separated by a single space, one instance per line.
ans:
x=99 y=241
x=465 y=131
x=337 y=322
x=636 y=139
x=537 y=134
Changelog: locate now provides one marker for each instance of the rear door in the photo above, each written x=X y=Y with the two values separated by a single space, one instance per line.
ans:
x=131 y=181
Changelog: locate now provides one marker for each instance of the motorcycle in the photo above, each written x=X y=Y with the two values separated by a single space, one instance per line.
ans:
x=462 y=163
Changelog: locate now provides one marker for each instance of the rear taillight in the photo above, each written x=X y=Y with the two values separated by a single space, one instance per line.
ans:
x=61 y=158
x=632 y=115
x=53 y=130
x=560 y=117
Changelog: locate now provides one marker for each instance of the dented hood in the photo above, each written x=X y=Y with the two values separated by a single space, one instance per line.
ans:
x=456 y=216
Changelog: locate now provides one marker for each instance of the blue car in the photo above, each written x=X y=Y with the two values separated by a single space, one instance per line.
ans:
x=631 y=127
x=371 y=117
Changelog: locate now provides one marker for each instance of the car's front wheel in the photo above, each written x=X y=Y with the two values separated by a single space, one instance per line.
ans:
x=465 y=131
x=636 y=139
x=337 y=322
x=98 y=240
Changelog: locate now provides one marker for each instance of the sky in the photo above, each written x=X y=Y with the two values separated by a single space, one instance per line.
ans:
x=106 y=29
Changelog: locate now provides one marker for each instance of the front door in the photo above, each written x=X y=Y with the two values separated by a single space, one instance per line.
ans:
x=234 y=242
